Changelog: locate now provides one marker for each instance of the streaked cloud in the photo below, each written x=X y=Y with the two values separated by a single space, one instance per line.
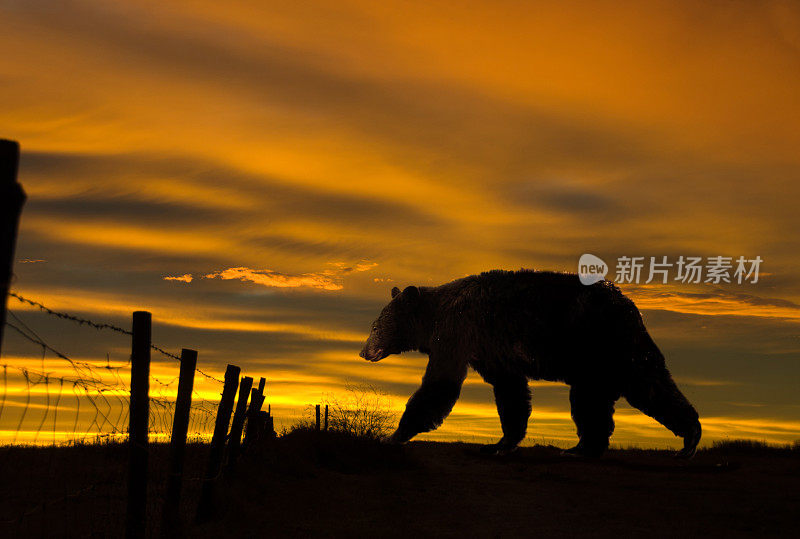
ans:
x=256 y=142
x=233 y=318
x=329 y=279
x=714 y=302
x=185 y=278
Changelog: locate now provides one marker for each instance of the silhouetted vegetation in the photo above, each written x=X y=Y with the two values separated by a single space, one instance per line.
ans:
x=363 y=411
x=303 y=449
x=753 y=447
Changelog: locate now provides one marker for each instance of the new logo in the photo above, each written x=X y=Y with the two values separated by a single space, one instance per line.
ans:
x=591 y=269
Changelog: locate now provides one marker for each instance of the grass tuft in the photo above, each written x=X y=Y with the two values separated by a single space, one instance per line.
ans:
x=744 y=446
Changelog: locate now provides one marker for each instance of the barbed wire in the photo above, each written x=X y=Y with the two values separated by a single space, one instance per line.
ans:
x=66 y=316
x=101 y=409
x=74 y=363
x=99 y=325
x=161 y=409
x=89 y=382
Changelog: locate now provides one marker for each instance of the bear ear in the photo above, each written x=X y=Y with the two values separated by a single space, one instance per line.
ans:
x=395 y=291
x=411 y=292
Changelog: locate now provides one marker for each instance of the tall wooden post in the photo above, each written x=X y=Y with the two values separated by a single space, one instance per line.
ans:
x=317 y=410
x=235 y=441
x=326 y=418
x=253 y=430
x=269 y=425
x=139 y=413
x=12 y=197
x=205 y=509
x=177 y=446
x=262 y=418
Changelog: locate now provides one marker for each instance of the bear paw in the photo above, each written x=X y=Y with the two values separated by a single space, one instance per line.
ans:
x=584 y=451
x=498 y=449
x=690 y=443
x=398 y=438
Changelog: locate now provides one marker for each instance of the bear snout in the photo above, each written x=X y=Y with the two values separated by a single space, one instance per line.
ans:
x=372 y=354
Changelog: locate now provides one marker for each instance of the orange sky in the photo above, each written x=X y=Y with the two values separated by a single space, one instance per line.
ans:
x=288 y=163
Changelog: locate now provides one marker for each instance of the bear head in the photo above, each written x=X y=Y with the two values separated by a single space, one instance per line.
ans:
x=395 y=330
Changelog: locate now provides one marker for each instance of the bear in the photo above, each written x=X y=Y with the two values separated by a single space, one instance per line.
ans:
x=516 y=326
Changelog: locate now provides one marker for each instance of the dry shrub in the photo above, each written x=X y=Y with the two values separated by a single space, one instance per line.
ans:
x=364 y=412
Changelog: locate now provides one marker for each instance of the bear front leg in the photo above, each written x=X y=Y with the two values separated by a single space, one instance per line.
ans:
x=653 y=391
x=432 y=402
x=426 y=409
x=513 y=399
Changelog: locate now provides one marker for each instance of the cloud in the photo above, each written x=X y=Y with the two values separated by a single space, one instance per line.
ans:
x=714 y=303
x=563 y=195
x=185 y=278
x=249 y=217
x=283 y=142
x=329 y=279
x=365 y=266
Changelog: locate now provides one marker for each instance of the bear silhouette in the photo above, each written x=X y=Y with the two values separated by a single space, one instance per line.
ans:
x=515 y=326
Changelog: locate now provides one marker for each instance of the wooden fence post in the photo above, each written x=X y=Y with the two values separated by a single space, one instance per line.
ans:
x=269 y=427
x=177 y=446
x=266 y=425
x=253 y=430
x=205 y=509
x=139 y=412
x=235 y=440
x=12 y=197
x=317 y=410
x=326 y=418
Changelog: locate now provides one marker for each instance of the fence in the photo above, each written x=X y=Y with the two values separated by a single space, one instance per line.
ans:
x=71 y=402
x=52 y=405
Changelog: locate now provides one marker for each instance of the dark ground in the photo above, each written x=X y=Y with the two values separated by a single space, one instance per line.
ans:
x=332 y=485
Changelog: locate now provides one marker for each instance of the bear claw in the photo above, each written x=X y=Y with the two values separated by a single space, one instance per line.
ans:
x=497 y=449
x=690 y=443
x=581 y=451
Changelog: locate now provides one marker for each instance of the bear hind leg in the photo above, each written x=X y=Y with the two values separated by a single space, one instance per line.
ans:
x=513 y=399
x=593 y=413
